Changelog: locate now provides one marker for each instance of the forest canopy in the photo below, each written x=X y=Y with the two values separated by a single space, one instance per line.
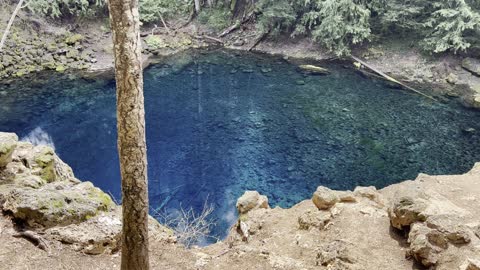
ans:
x=437 y=26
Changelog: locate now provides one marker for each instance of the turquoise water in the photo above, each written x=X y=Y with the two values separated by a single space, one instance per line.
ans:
x=220 y=123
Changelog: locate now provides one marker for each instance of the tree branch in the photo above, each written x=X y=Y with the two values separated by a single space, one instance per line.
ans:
x=10 y=22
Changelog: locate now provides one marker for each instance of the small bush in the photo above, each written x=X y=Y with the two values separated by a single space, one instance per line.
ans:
x=189 y=227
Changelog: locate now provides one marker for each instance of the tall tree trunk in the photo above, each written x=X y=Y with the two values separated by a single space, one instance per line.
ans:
x=10 y=23
x=197 y=4
x=132 y=150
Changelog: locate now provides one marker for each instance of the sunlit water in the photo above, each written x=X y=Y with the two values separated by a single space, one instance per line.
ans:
x=219 y=124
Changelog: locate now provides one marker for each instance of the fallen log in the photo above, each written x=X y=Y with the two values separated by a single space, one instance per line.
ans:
x=230 y=29
x=258 y=40
x=385 y=76
x=237 y=24
x=209 y=38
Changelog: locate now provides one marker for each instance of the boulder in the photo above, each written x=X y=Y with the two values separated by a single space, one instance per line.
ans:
x=405 y=211
x=452 y=78
x=97 y=235
x=56 y=205
x=251 y=200
x=425 y=244
x=324 y=198
x=8 y=143
x=45 y=163
x=472 y=65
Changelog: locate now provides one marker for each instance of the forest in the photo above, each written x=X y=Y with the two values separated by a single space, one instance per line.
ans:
x=436 y=26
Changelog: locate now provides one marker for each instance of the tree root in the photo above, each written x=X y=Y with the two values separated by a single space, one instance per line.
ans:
x=35 y=238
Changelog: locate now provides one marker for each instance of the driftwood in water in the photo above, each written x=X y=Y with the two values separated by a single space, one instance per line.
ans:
x=385 y=76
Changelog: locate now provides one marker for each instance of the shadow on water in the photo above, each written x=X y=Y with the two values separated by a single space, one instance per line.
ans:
x=220 y=123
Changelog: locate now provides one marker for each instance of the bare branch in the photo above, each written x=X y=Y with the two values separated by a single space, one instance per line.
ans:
x=10 y=23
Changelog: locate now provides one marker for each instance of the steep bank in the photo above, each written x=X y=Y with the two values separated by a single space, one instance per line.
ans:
x=431 y=221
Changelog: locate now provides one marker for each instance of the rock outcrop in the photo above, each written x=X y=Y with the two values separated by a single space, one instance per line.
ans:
x=251 y=200
x=8 y=143
x=40 y=191
x=441 y=228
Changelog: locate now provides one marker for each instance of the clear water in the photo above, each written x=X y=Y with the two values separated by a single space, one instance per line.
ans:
x=220 y=123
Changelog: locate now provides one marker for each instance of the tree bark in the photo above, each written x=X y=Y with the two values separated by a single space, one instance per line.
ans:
x=132 y=149
x=10 y=23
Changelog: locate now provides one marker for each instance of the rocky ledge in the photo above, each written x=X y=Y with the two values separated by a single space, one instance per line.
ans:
x=41 y=194
x=430 y=222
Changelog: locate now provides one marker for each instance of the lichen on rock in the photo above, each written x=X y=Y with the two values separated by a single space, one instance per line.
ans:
x=8 y=143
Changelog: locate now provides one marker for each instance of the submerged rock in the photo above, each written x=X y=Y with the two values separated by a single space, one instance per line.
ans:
x=314 y=70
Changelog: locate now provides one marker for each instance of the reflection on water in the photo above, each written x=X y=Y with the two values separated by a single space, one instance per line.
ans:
x=39 y=137
x=221 y=123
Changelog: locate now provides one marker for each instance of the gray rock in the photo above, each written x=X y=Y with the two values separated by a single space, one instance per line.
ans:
x=251 y=200
x=238 y=42
x=324 y=198
x=8 y=143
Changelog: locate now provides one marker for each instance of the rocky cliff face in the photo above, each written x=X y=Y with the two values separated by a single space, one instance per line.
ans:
x=430 y=222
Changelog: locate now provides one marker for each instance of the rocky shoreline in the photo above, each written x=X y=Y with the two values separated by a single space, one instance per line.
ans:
x=88 y=48
x=431 y=221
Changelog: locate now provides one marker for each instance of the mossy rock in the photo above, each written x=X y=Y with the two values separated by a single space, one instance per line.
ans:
x=49 y=207
x=155 y=42
x=71 y=40
x=45 y=159
x=60 y=68
x=8 y=143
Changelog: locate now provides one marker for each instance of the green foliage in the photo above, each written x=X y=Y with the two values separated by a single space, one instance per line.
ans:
x=439 y=26
x=341 y=23
x=336 y=24
x=150 y=10
x=451 y=26
x=61 y=8
x=218 y=18
x=277 y=16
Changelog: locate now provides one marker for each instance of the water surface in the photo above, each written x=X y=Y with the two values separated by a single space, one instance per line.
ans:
x=220 y=123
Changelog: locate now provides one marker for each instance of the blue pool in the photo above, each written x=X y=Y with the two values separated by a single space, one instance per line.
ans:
x=220 y=123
